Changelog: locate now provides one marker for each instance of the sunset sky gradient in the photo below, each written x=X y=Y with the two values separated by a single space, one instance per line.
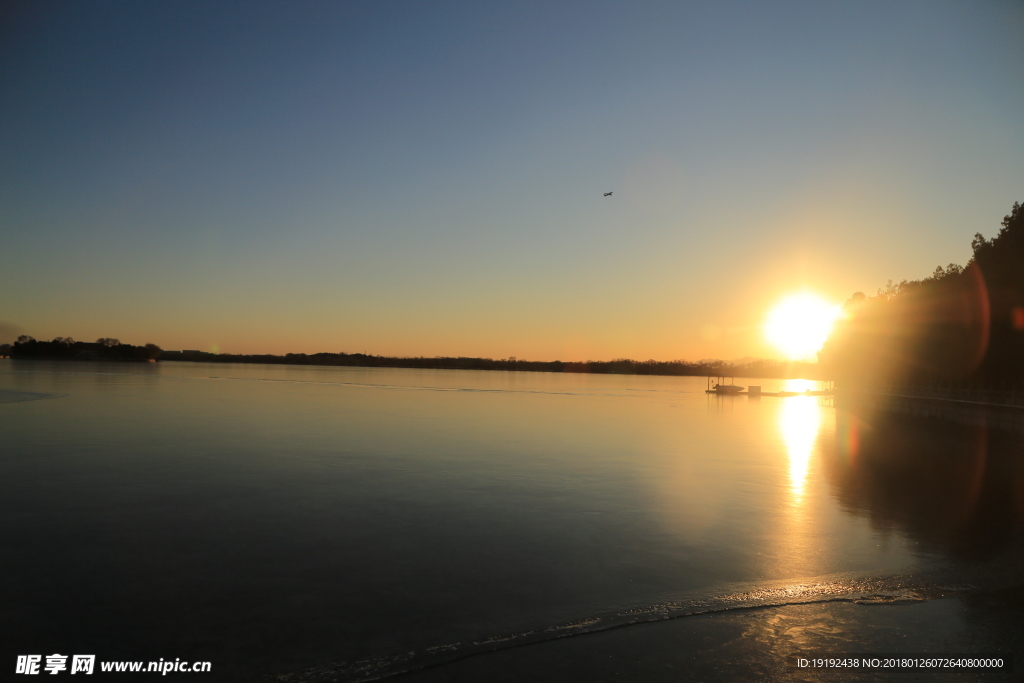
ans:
x=426 y=178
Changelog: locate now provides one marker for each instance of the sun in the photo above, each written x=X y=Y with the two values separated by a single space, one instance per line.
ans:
x=799 y=325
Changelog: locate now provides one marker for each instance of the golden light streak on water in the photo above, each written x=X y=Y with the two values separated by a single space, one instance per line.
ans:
x=799 y=422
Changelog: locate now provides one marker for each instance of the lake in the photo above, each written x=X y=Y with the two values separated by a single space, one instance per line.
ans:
x=274 y=519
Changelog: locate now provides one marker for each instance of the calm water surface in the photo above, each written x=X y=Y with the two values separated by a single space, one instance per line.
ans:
x=275 y=518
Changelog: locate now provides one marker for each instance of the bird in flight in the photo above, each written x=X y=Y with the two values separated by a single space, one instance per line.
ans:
x=607 y=194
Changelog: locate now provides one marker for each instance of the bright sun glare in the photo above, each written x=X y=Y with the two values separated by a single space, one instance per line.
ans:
x=800 y=324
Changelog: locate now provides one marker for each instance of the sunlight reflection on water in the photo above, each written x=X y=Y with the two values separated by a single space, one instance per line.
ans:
x=799 y=422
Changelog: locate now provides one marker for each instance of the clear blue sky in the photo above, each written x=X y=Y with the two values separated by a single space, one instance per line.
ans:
x=427 y=177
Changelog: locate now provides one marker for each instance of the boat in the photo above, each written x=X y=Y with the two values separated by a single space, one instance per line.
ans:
x=721 y=387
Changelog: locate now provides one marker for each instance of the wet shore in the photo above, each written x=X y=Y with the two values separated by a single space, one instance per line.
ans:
x=759 y=645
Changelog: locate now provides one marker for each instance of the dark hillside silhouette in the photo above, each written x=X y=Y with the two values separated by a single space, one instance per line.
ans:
x=961 y=325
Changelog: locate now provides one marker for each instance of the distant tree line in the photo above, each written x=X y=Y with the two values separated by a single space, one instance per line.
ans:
x=111 y=349
x=621 y=366
x=66 y=348
x=963 y=324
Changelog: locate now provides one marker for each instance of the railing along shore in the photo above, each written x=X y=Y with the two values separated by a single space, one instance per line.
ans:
x=1012 y=397
x=976 y=405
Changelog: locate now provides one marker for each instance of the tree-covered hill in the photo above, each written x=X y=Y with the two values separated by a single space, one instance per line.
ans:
x=960 y=324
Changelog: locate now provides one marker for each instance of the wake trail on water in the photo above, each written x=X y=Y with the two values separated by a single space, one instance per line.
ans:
x=634 y=393
x=627 y=392
x=10 y=396
x=889 y=590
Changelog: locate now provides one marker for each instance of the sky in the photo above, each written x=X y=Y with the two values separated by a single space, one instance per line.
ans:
x=427 y=178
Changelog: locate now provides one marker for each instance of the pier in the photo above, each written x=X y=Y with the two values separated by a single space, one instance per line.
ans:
x=721 y=388
x=779 y=394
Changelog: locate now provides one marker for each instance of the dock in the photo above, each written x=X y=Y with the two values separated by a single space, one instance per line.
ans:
x=722 y=388
x=780 y=394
